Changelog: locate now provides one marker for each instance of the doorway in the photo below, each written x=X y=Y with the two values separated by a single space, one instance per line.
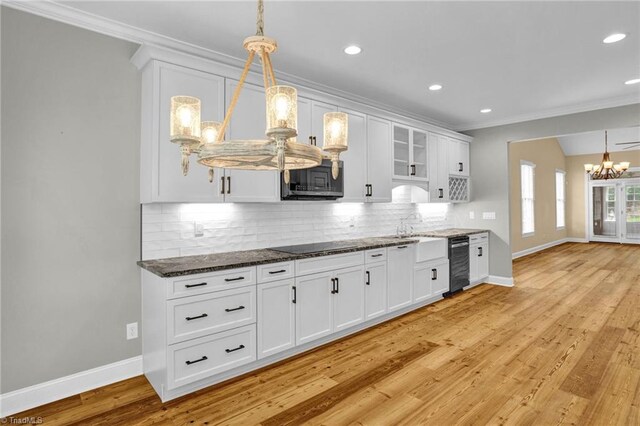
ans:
x=614 y=211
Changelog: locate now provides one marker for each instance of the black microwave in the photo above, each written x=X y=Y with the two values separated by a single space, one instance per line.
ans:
x=315 y=183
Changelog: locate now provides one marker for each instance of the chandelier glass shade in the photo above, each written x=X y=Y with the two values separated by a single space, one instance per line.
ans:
x=607 y=169
x=280 y=150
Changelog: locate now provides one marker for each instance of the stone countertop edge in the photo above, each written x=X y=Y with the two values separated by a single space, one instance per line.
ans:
x=201 y=264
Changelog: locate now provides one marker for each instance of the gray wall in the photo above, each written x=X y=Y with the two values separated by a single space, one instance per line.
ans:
x=70 y=212
x=489 y=168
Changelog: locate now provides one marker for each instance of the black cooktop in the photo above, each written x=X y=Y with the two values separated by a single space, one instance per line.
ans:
x=314 y=248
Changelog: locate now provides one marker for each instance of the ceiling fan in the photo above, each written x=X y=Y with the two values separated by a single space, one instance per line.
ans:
x=631 y=144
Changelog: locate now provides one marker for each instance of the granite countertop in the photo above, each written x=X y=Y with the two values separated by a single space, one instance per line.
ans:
x=450 y=232
x=188 y=265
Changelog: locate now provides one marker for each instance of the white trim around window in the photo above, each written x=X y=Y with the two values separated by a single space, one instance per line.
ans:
x=527 y=197
x=561 y=199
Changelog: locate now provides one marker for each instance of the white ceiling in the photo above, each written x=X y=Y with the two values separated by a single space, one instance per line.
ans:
x=593 y=142
x=524 y=60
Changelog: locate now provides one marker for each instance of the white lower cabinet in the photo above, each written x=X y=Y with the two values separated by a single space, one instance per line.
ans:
x=276 y=317
x=400 y=261
x=348 y=299
x=206 y=328
x=375 y=290
x=328 y=302
x=197 y=359
x=314 y=307
x=478 y=262
x=430 y=279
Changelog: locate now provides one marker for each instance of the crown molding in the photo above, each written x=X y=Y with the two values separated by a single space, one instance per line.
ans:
x=89 y=21
x=555 y=112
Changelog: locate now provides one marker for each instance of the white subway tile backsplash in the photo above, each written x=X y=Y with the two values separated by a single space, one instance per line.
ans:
x=167 y=229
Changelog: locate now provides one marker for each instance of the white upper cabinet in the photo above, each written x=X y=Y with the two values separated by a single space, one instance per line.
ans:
x=249 y=122
x=355 y=159
x=438 y=170
x=379 y=154
x=458 y=158
x=410 y=154
x=161 y=178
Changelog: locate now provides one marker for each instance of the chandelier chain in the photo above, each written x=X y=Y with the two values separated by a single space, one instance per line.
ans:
x=260 y=21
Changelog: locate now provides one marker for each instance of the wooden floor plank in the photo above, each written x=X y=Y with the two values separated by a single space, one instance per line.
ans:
x=562 y=347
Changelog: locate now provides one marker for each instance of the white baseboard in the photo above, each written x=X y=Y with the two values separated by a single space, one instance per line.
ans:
x=54 y=390
x=546 y=246
x=501 y=281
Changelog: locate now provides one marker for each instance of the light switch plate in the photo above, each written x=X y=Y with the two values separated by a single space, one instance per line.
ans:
x=489 y=215
x=198 y=229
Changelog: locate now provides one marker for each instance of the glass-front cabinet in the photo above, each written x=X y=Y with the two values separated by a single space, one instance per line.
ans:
x=409 y=153
x=614 y=211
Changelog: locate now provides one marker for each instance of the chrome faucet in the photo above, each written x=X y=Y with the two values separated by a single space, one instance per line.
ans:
x=405 y=229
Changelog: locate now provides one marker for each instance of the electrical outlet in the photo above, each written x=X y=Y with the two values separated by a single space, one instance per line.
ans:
x=489 y=215
x=198 y=229
x=132 y=331
x=472 y=215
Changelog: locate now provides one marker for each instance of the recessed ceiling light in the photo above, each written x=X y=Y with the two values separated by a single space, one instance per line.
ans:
x=485 y=110
x=614 y=37
x=634 y=81
x=352 y=50
x=435 y=87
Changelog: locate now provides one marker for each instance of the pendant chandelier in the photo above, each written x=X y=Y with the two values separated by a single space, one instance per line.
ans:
x=606 y=169
x=280 y=150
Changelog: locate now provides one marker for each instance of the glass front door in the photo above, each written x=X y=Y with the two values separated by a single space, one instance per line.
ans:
x=604 y=221
x=631 y=212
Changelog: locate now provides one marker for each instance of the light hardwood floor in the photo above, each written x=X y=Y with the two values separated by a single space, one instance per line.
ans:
x=562 y=347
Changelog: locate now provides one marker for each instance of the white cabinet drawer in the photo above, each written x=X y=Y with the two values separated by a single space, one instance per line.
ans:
x=198 y=316
x=479 y=237
x=198 y=359
x=328 y=263
x=375 y=255
x=275 y=272
x=207 y=283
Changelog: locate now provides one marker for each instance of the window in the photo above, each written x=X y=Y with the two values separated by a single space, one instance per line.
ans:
x=610 y=204
x=526 y=194
x=560 y=197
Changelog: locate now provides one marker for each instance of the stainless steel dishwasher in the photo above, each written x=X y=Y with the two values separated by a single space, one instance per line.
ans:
x=458 y=264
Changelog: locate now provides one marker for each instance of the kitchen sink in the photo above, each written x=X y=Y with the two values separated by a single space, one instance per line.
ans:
x=430 y=248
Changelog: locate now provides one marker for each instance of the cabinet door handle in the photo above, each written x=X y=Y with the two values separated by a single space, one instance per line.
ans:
x=222 y=180
x=402 y=247
x=277 y=272
x=333 y=286
x=295 y=294
x=376 y=255
x=310 y=140
x=194 y=285
x=434 y=274
x=228 y=184
x=239 y=308
x=441 y=193
x=233 y=279
x=460 y=167
x=413 y=170
x=204 y=358
x=479 y=251
x=368 y=282
x=198 y=317
x=234 y=349
x=337 y=285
